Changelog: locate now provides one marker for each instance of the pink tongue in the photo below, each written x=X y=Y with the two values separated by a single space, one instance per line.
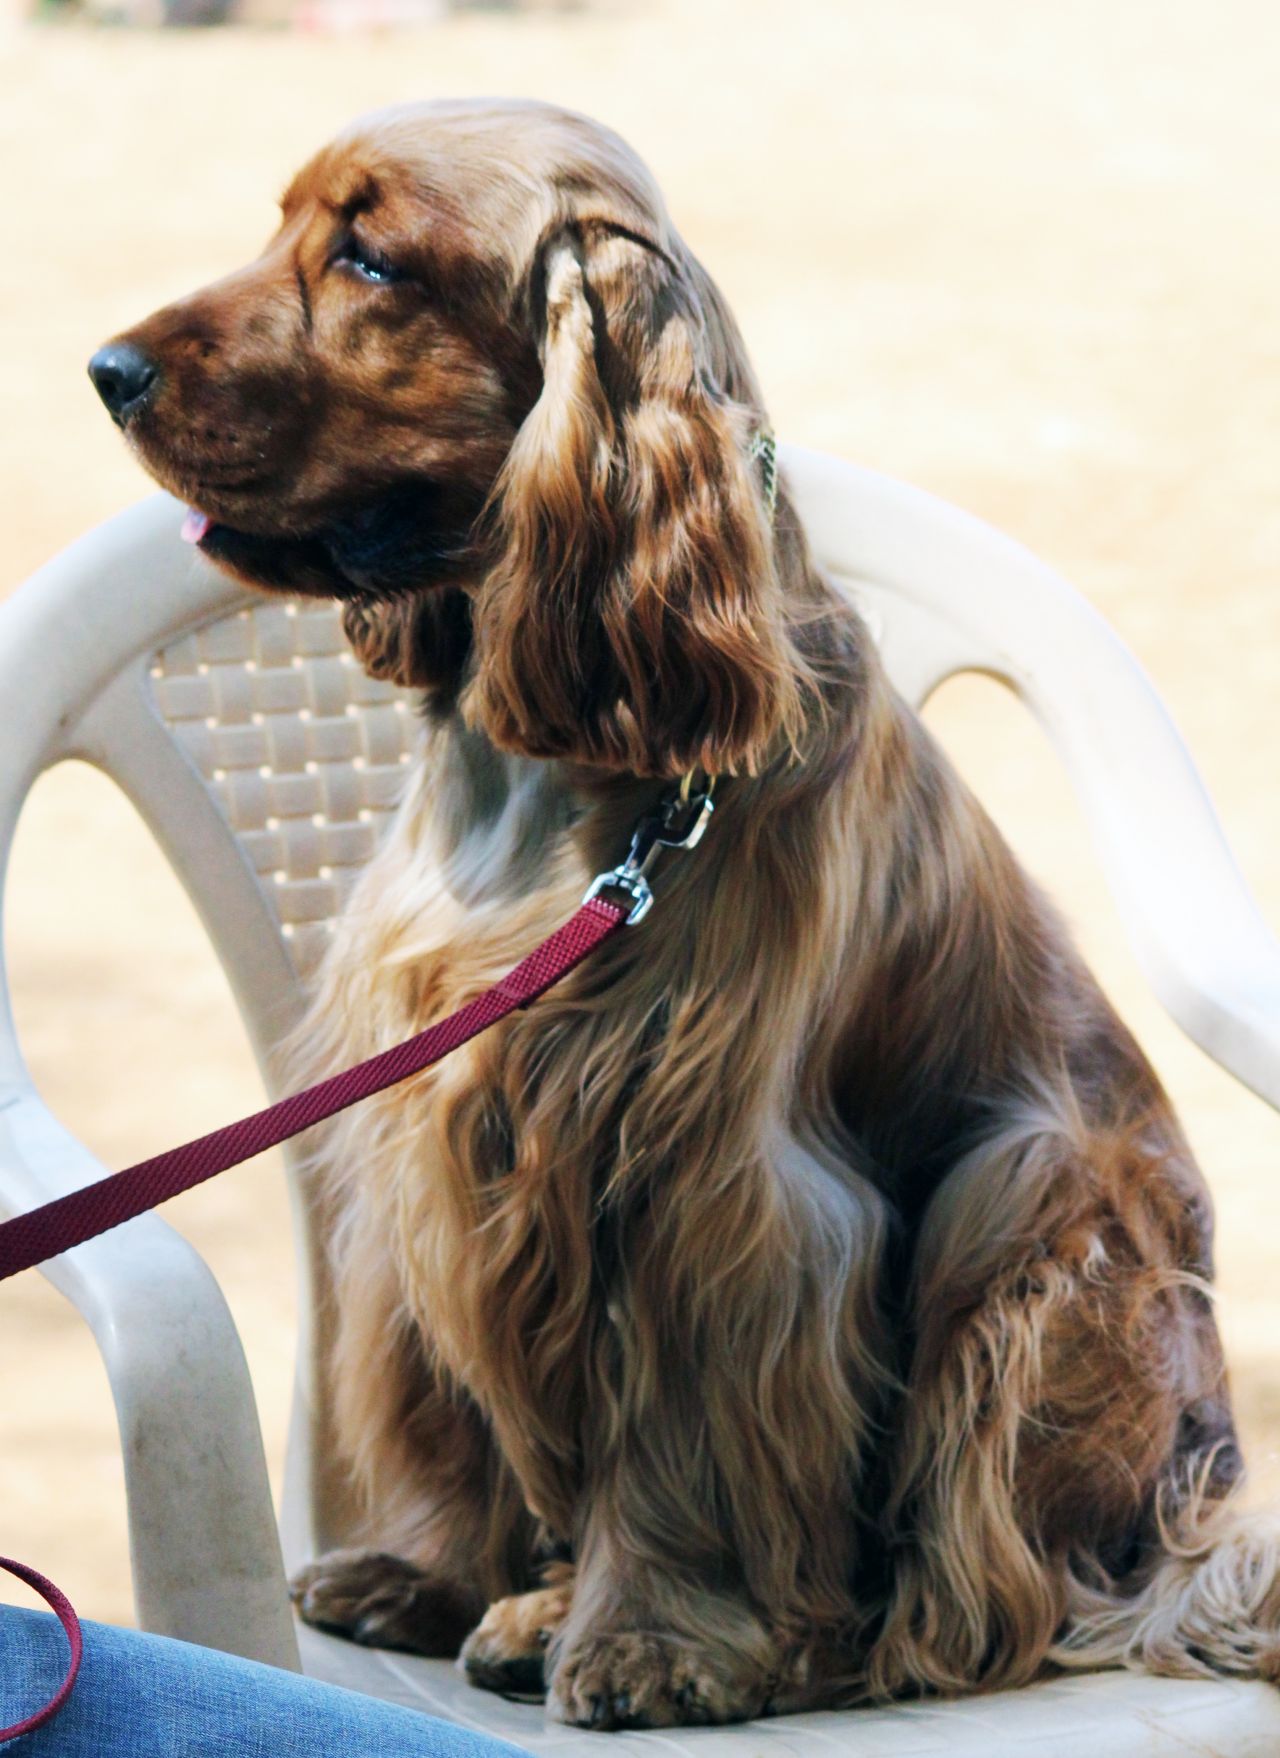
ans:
x=195 y=525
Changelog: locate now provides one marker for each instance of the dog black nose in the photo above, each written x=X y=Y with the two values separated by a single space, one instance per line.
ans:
x=122 y=375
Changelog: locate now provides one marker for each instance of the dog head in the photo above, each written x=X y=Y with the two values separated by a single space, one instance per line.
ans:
x=477 y=388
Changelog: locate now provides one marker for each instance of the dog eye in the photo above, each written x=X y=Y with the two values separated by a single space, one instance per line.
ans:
x=368 y=263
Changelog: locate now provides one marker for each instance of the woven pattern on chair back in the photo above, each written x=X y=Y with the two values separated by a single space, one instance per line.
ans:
x=304 y=754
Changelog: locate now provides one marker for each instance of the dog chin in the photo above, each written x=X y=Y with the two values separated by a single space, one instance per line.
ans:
x=299 y=565
x=413 y=537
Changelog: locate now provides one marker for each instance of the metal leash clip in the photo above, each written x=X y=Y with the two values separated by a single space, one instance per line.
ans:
x=679 y=821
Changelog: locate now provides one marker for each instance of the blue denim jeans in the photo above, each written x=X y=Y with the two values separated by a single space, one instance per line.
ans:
x=148 y=1697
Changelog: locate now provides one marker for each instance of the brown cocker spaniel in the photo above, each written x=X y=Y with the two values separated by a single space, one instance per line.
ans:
x=807 y=1301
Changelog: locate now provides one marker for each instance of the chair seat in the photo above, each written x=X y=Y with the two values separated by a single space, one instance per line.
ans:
x=1094 y=1715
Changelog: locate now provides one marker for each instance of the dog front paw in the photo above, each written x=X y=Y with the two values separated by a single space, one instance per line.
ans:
x=506 y=1650
x=634 y=1678
x=383 y=1601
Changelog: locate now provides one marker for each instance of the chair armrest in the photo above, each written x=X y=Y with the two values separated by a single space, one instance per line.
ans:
x=1228 y=999
x=202 y=1533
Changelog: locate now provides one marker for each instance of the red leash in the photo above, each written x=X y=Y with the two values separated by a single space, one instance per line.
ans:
x=56 y=1226
x=678 y=821
x=67 y=1221
x=71 y=1624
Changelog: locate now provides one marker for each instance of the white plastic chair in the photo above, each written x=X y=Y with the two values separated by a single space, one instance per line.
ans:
x=264 y=761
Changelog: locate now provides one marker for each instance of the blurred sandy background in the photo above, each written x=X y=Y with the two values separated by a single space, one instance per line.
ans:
x=1024 y=255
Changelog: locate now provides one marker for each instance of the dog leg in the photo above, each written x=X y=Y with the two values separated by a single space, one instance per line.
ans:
x=718 y=1530
x=1067 y=1375
x=444 y=1528
x=448 y=1536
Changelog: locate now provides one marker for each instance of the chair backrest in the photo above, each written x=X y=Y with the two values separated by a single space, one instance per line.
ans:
x=265 y=761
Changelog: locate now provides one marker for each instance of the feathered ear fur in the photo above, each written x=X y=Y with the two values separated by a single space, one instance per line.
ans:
x=633 y=617
x=419 y=640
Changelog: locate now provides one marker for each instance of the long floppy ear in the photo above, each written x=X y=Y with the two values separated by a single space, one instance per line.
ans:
x=633 y=615
x=418 y=639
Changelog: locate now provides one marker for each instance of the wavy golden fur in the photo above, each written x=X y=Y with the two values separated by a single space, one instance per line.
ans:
x=806 y=1301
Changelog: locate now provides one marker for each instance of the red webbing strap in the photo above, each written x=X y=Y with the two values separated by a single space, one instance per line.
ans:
x=56 y=1226
x=71 y=1624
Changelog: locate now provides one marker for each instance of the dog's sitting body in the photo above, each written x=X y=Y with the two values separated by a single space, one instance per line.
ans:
x=819 y=1272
